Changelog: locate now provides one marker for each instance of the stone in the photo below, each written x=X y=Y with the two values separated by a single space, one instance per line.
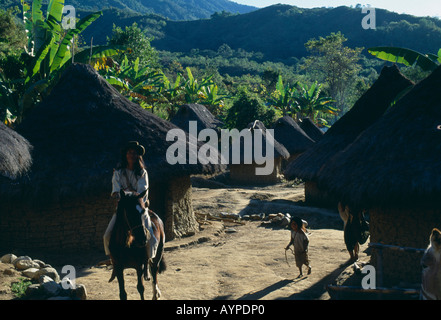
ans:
x=32 y=273
x=79 y=293
x=44 y=279
x=50 y=272
x=284 y=222
x=51 y=288
x=8 y=258
x=41 y=263
x=33 y=290
x=230 y=230
x=24 y=262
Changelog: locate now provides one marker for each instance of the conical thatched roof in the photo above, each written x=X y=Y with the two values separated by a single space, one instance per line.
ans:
x=279 y=150
x=368 y=109
x=397 y=161
x=291 y=136
x=15 y=153
x=309 y=127
x=198 y=113
x=78 y=132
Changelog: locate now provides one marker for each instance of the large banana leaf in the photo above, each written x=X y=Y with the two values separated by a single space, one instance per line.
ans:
x=404 y=56
x=63 y=54
x=39 y=57
x=97 y=53
x=55 y=9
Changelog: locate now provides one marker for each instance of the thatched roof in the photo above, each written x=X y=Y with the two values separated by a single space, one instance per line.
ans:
x=309 y=127
x=397 y=161
x=291 y=136
x=279 y=150
x=196 y=112
x=78 y=132
x=15 y=153
x=368 y=109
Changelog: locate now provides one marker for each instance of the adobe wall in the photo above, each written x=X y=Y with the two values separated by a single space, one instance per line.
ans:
x=405 y=228
x=68 y=226
x=246 y=173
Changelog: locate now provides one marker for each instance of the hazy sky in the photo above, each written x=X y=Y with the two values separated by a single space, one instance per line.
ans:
x=418 y=8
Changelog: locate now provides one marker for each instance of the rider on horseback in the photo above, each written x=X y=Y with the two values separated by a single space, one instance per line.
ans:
x=131 y=176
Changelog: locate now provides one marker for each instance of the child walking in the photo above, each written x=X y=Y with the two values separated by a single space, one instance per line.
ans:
x=301 y=242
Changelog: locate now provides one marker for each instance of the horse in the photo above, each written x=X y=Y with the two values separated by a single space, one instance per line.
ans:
x=129 y=241
x=431 y=268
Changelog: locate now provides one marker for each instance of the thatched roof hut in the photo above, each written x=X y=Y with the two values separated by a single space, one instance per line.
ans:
x=393 y=170
x=368 y=109
x=15 y=153
x=310 y=128
x=196 y=112
x=77 y=134
x=244 y=172
x=291 y=136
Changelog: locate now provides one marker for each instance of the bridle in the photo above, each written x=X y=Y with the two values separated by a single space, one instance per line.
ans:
x=130 y=232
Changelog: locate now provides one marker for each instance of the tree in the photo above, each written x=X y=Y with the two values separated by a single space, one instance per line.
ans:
x=138 y=44
x=247 y=108
x=333 y=64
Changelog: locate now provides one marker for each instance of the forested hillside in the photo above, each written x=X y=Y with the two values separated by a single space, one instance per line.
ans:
x=170 y=9
x=278 y=32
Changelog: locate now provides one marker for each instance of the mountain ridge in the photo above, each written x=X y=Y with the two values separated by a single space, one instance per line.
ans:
x=279 y=31
x=170 y=9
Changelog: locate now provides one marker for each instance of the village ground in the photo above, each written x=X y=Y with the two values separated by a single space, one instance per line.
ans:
x=228 y=260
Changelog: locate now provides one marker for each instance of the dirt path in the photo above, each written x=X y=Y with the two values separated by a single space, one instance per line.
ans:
x=249 y=263
x=237 y=261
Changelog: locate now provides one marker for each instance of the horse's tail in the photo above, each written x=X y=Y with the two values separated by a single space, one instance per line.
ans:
x=162 y=265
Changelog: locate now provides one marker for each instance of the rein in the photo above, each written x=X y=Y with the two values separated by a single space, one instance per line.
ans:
x=130 y=237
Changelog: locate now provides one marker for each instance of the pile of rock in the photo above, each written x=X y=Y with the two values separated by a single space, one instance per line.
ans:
x=47 y=284
x=275 y=219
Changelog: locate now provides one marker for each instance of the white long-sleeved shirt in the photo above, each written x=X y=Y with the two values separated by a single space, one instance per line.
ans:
x=125 y=179
x=300 y=241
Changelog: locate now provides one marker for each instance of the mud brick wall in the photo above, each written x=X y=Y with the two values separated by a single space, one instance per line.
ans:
x=246 y=173
x=405 y=228
x=67 y=226
x=180 y=220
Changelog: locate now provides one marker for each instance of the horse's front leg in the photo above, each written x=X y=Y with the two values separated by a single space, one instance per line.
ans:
x=120 y=276
x=140 y=286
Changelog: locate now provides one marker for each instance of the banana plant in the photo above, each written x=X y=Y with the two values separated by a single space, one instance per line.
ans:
x=48 y=43
x=282 y=97
x=49 y=52
x=193 y=89
x=408 y=57
x=211 y=96
x=309 y=102
x=141 y=85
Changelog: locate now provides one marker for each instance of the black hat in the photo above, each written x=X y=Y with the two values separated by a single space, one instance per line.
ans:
x=134 y=145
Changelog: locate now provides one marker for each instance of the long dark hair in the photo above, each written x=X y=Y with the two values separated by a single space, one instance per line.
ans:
x=139 y=165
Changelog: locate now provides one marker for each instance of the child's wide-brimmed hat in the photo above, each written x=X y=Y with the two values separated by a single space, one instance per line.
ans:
x=135 y=146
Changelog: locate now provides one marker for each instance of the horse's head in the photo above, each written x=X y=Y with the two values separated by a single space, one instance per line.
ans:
x=131 y=209
x=431 y=264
